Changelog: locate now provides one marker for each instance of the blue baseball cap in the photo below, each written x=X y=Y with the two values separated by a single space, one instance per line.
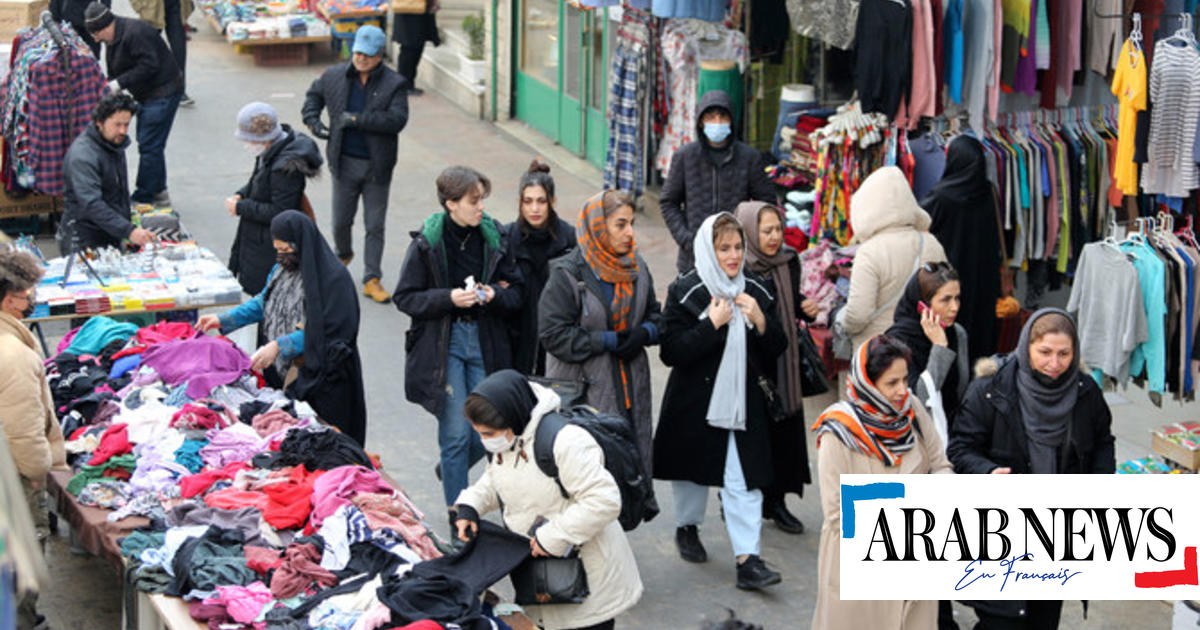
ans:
x=369 y=40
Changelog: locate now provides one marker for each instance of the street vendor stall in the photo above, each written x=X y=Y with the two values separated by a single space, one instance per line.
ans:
x=277 y=33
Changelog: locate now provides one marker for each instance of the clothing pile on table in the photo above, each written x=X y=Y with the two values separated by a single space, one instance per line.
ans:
x=47 y=101
x=260 y=515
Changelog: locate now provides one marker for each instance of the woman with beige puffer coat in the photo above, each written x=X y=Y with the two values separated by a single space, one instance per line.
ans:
x=894 y=232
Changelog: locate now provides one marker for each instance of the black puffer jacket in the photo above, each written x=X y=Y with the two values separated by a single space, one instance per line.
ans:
x=423 y=293
x=277 y=184
x=381 y=120
x=528 y=355
x=987 y=433
x=96 y=195
x=697 y=187
x=139 y=60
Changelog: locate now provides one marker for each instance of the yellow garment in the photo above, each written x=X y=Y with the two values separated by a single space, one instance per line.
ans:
x=1129 y=86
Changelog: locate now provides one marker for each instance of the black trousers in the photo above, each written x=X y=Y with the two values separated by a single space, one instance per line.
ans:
x=407 y=62
x=1040 y=615
x=176 y=35
x=607 y=625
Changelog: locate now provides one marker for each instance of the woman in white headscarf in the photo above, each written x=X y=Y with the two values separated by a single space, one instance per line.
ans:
x=719 y=333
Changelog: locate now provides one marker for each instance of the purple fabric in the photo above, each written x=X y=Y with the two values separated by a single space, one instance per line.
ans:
x=227 y=447
x=1026 y=79
x=334 y=489
x=203 y=363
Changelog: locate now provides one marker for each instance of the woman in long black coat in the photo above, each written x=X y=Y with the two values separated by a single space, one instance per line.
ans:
x=708 y=434
x=284 y=161
x=537 y=237
x=411 y=31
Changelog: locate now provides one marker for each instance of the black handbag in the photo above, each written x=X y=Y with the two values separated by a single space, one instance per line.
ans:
x=571 y=393
x=541 y=581
x=813 y=381
x=775 y=409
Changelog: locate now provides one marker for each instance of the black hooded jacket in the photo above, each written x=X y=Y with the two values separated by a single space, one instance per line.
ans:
x=277 y=184
x=140 y=61
x=696 y=187
x=533 y=253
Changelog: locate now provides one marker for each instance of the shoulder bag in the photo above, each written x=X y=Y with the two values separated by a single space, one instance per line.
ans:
x=539 y=581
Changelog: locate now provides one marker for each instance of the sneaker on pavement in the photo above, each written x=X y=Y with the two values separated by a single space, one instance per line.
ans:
x=161 y=200
x=346 y=260
x=687 y=539
x=374 y=290
x=753 y=575
x=186 y=101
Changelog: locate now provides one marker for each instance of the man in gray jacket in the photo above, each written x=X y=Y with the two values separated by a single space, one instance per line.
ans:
x=368 y=107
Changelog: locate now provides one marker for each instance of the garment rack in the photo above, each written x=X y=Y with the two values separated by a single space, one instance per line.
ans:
x=1113 y=16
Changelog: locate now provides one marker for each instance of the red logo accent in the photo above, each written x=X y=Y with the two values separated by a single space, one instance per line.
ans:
x=1187 y=576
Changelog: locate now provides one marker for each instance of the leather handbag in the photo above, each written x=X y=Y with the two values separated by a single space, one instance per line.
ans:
x=774 y=402
x=572 y=393
x=541 y=581
x=408 y=6
x=813 y=381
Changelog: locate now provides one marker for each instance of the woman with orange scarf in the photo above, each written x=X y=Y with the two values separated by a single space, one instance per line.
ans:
x=881 y=428
x=598 y=313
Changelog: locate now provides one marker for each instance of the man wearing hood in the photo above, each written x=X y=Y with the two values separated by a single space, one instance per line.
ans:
x=96 y=196
x=712 y=174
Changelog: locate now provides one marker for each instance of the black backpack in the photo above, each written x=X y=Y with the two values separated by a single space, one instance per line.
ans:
x=616 y=438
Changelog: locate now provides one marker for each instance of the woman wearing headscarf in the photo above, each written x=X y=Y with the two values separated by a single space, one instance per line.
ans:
x=1033 y=411
x=506 y=410
x=309 y=333
x=598 y=313
x=962 y=207
x=718 y=327
x=537 y=237
x=767 y=255
x=927 y=322
x=878 y=430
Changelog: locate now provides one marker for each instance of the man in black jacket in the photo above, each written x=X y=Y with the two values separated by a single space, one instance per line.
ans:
x=712 y=174
x=72 y=11
x=139 y=61
x=96 y=199
x=368 y=107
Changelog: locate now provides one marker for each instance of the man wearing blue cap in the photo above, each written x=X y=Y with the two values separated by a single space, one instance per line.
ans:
x=368 y=107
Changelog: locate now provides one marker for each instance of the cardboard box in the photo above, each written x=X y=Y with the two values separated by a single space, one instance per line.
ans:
x=29 y=204
x=1174 y=452
x=16 y=14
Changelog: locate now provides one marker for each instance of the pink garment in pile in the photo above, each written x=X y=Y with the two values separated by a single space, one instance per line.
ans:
x=203 y=363
x=243 y=603
x=336 y=487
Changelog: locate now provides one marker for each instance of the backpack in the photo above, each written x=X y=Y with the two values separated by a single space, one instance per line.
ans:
x=616 y=438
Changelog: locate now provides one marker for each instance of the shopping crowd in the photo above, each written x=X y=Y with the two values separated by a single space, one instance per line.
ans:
x=518 y=317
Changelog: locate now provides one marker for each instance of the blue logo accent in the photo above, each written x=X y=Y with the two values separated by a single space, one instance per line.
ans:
x=850 y=494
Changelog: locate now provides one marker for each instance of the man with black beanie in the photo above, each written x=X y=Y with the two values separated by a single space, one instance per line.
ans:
x=140 y=62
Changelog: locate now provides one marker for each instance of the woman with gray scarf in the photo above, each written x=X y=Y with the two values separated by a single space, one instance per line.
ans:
x=718 y=326
x=1033 y=411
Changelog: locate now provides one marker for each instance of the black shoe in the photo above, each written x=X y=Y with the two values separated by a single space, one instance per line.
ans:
x=777 y=511
x=414 y=91
x=753 y=575
x=687 y=539
x=437 y=471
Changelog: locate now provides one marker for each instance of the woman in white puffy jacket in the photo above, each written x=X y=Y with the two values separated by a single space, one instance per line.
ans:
x=506 y=409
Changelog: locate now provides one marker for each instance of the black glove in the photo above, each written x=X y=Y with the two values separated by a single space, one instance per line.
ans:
x=349 y=120
x=463 y=512
x=630 y=342
x=319 y=129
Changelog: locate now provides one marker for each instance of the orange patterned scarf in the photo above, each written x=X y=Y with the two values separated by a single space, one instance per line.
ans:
x=620 y=271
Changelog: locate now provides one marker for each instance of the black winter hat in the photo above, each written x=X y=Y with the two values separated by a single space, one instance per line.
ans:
x=97 y=16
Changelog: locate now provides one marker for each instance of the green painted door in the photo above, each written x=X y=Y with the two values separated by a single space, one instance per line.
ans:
x=561 y=78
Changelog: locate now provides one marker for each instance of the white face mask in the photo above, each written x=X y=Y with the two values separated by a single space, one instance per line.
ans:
x=498 y=444
x=254 y=148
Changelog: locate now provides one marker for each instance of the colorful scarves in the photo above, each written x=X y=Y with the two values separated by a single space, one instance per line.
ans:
x=619 y=271
x=727 y=406
x=867 y=422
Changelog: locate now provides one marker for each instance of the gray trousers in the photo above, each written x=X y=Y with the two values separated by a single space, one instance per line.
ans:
x=352 y=182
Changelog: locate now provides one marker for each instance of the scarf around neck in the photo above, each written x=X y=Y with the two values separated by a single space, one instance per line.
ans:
x=867 y=422
x=779 y=269
x=727 y=406
x=619 y=271
x=1046 y=408
x=283 y=308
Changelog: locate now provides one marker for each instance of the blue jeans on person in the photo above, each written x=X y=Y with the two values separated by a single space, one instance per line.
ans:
x=743 y=506
x=458 y=442
x=154 y=120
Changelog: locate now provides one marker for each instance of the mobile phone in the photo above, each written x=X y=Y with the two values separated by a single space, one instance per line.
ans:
x=922 y=307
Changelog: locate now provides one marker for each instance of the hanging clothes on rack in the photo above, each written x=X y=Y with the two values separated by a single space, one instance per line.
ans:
x=1175 y=91
x=627 y=83
x=46 y=102
x=883 y=56
x=1129 y=86
x=829 y=21
x=708 y=10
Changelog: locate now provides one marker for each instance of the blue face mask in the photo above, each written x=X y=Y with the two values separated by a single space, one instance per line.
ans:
x=717 y=132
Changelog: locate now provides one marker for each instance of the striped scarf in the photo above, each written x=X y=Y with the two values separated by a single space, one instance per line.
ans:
x=619 y=271
x=868 y=422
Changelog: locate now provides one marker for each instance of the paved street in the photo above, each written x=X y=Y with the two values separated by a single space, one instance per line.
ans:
x=206 y=163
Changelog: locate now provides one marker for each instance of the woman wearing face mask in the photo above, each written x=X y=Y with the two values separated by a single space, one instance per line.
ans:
x=712 y=174
x=926 y=320
x=878 y=430
x=1033 y=411
x=767 y=254
x=283 y=160
x=599 y=312
x=505 y=410
x=309 y=326
x=535 y=238
x=718 y=327
x=459 y=285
